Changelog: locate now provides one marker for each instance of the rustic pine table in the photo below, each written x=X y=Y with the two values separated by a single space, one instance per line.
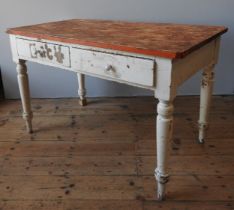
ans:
x=155 y=56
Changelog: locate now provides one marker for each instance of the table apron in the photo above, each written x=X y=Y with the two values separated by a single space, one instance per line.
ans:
x=129 y=69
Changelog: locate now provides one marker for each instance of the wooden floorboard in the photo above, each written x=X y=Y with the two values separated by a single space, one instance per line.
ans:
x=102 y=156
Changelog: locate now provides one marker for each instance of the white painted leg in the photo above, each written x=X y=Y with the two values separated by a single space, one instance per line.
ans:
x=82 y=90
x=164 y=134
x=205 y=100
x=24 y=93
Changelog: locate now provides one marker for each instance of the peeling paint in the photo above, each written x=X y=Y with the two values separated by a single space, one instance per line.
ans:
x=207 y=78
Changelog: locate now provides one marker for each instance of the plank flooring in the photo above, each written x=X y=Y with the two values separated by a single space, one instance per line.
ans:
x=102 y=156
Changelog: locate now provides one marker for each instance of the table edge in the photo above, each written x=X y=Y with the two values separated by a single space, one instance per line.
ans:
x=142 y=51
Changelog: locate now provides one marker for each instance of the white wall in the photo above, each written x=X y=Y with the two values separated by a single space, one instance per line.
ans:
x=45 y=82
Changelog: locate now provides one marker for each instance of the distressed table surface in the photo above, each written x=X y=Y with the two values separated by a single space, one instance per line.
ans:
x=157 y=39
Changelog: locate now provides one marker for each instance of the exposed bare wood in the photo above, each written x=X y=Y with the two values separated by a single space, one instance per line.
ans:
x=156 y=39
x=188 y=205
x=71 y=204
x=70 y=165
x=179 y=165
x=114 y=170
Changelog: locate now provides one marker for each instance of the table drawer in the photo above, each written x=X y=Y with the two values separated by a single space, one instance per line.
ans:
x=44 y=52
x=119 y=67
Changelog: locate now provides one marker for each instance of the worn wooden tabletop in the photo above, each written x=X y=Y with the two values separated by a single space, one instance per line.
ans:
x=157 y=39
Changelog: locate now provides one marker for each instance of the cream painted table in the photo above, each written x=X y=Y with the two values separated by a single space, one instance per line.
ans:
x=158 y=57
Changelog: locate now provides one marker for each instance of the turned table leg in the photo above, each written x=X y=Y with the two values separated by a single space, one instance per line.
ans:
x=205 y=100
x=164 y=134
x=81 y=89
x=24 y=93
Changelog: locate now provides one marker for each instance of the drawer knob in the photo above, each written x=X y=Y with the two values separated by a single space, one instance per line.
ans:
x=110 y=68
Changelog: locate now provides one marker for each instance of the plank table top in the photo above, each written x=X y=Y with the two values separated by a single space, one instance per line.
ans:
x=154 y=39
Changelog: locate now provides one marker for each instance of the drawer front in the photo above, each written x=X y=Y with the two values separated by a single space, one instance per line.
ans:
x=44 y=52
x=122 y=68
